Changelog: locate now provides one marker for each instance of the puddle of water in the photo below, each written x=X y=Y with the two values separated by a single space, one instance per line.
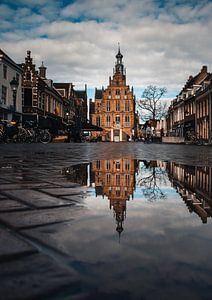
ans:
x=145 y=234
x=127 y=183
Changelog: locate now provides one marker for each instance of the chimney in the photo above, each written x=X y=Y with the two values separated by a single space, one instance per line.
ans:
x=42 y=71
x=204 y=69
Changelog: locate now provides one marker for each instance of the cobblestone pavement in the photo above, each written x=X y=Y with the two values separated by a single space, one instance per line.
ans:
x=34 y=195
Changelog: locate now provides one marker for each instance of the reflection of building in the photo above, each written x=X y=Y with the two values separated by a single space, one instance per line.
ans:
x=77 y=174
x=114 y=107
x=194 y=184
x=116 y=180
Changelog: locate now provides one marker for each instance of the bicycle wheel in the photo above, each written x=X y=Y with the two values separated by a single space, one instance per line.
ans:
x=30 y=136
x=45 y=137
x=199 y=142
x=1 y=136
x=21 y=135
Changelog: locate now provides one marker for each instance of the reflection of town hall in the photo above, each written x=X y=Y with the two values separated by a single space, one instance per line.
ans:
x=115 y=179
x=114 y=107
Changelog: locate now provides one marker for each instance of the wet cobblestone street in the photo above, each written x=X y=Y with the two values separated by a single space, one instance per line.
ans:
x=38 y=204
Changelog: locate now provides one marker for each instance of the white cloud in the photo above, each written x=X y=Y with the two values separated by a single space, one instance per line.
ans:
x=156 y=48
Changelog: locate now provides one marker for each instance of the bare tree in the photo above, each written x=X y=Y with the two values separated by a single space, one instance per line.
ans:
x=151 y=177
x=151 y=106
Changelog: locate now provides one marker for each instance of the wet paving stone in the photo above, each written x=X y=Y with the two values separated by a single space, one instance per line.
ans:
x=12 y=246
x=11 y=205
x=3 y=197
x=24 y=219
x=35 y=198
x=21 y=185
x=36 y=276
x=64 y=191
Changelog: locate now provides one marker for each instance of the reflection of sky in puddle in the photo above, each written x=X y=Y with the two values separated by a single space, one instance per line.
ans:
x=162 y=249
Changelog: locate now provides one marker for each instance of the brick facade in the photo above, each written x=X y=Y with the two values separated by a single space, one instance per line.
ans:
x=114 y=107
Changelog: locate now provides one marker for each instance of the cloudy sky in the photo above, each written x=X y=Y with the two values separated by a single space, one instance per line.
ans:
x=162 y=41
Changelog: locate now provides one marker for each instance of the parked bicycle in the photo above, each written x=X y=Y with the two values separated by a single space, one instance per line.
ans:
x=35 y=134
x=194 y=139
x=11 y=132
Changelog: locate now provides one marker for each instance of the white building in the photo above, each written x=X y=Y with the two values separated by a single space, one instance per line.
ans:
x=10 y=100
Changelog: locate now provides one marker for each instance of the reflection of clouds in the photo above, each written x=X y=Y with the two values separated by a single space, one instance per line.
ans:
x=163 y=247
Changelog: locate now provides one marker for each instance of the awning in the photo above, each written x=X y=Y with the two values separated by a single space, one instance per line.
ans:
x=90 y=127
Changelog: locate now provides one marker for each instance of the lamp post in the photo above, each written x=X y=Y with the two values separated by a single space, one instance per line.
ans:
x=14 y=86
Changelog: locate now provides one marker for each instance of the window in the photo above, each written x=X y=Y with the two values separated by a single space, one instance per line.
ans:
x=28 y=76
x=27 y=97
x=39 y=100
x=17 y=77
x=127 y=179
x=127 y=121
x=127 y=165
x=42 y=101
x=98 y=121
x=117 y=92
x=108 y=106
x=108 y=178
x=117 y=105
x=5 y=71
x=127 y=106
x=118 y=192
x=108 y=164
x=117 y=121
x=117 y=179
x=4 y=94
x=98 y=164
x=107 y=121
x=117 y=165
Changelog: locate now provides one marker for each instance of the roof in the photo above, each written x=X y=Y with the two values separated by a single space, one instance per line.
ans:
x=81 y=94
x=10 y=61
x=197 y=79
x=98 y=94
x=61 y=85
x=90 y=127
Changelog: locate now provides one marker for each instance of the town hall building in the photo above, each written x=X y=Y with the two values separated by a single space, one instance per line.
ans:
x=114 y=107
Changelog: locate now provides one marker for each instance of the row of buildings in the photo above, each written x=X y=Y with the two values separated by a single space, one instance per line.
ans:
x=191 y=110
x=27 y=94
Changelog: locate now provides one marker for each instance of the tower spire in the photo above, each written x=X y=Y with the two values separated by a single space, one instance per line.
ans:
x=119 y=68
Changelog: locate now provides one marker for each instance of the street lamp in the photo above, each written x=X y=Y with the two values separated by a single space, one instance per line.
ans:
x=14 y=86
